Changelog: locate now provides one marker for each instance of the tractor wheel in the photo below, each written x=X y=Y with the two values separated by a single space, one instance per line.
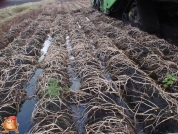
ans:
x=98 y=5
x=133 y=15
x=94 y=4
x=148 y=16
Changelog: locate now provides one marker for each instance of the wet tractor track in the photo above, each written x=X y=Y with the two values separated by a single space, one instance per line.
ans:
x=97 y=76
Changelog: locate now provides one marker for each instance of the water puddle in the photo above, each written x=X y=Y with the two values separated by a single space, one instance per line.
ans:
x=25 y=114
x=79 y=118
x=75 y=84
x=77 y=111
x=93 y=47
x=45 y=48
x=87 y=19
x=79 y=25
x=69 y=47
x=71 y=57
x=31 y=86
x=139 y=129
x=73 y=77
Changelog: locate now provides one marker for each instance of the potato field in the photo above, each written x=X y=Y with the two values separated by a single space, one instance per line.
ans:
x=98 y=75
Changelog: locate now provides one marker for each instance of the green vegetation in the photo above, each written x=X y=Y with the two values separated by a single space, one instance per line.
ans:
x=169 y=80
x=9 y=13
x=54 y=89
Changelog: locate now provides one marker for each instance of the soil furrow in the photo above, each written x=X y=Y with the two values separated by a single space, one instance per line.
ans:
x=151 y=63
x=160 y=47
x=53 y=85
x=134 y=83
x=14 y=32
x=97 y=74
x=94 y=82
x=20 y=70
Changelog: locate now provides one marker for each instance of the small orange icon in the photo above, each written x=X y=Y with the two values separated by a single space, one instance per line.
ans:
x=10 y=124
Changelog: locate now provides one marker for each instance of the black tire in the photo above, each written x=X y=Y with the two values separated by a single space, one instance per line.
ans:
x=94 y=4
x=125 y=17
x=148 y=16
x=98 y=5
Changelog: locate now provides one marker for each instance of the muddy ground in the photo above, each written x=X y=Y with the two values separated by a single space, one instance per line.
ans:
x=80 y=71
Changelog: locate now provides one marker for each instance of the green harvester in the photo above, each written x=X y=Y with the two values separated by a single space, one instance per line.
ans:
x=147 y=13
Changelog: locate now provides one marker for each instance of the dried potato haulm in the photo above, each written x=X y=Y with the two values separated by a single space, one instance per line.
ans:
x=18 y=63
x=10 y=100
x=17 y=44
x=14 y=32
x=19 y=74
x=29 y=31
x=88 y=85
x=21 y=54
x=164 y=49
x=12 y=93
x=57 y=112
x=156 y=67
x=56 y=59
x=52 y=116
x=53 y=113
x=94 y=83
x=84 y=62
x=149 y=102
x=55 y=65
x=69 y=6
x=80 y=49
x=32 y=45
x=4 y=62
x=85 y=70
x=52 y=110
x=151 y=63
x=158 y=46
x=107 y=117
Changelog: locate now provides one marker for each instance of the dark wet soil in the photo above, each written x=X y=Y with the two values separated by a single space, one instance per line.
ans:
x=24 y=116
